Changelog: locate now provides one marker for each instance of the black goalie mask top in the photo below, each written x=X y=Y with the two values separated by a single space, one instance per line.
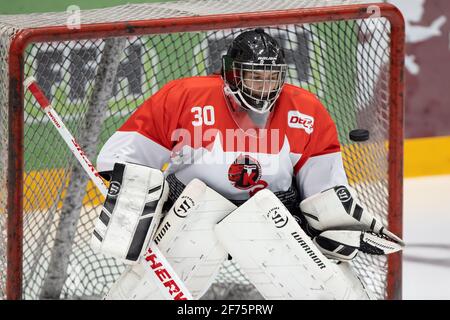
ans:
x=254 y=70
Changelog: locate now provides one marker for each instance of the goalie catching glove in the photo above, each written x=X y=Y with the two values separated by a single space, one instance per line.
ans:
x=341 y=227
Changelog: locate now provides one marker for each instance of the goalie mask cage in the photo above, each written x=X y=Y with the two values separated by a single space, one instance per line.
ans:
x=349 y=53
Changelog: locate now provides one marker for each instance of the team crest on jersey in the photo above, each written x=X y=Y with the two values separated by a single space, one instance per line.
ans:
x=301 y=121
x=245 y=174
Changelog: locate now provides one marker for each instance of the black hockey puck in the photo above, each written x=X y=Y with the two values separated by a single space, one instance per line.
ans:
x=359 y=135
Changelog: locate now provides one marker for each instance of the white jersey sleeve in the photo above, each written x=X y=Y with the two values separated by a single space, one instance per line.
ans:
x=320 y=166
x=320 y=173
x=146 y=137
x=131 y=147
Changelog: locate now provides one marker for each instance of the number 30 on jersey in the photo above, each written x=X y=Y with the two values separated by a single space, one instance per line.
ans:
x=203 y=115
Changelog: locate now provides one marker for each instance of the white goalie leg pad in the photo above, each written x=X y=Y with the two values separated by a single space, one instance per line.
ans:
x=357 y=286
x=278 y=257
x=187 y=240
x=127 y=287
x=137 y=283
x=131 y=212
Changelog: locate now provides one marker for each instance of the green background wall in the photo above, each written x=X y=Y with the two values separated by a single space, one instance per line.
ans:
x=29 y=6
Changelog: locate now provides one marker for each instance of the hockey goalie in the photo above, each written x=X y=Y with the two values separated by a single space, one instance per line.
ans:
x=238 y=164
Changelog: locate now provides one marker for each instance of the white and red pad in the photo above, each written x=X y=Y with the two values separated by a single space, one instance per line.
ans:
x=137 y=282
x=186 y=238
x=278 y=257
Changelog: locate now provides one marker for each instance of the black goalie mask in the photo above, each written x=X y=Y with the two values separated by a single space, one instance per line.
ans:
x=254 y=70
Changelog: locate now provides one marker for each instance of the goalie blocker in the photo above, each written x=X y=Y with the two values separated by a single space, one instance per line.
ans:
x=131 y=212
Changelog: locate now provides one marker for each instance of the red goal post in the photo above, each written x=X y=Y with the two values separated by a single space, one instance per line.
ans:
x=378 y=94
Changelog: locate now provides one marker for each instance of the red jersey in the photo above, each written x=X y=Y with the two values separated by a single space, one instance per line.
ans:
x=189 y=125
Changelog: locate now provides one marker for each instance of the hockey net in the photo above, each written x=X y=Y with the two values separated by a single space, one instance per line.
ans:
x=346 y=52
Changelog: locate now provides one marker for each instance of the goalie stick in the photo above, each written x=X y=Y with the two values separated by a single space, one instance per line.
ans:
x=170 y=284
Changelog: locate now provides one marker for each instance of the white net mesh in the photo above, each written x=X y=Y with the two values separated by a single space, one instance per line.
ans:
x=189 y=8
x=345 y=63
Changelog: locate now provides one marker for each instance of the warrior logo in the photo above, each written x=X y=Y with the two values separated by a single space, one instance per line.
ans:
x=114 y=189
x=278 y=217
x=182 y=206
x=343 y=193
x=245 y=173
